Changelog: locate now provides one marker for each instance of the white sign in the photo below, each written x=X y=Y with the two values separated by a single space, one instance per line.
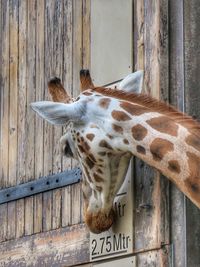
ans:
x=125 y=262
x=118 y=240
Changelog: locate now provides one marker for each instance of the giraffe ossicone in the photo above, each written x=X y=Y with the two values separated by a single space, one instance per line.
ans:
x=106 y=127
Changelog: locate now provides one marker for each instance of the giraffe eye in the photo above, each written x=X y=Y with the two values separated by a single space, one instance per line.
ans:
x=67 y=150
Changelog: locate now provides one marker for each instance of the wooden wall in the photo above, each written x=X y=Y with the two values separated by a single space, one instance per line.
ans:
x=40 y=39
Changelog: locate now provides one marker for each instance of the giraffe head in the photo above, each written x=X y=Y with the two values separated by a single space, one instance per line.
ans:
x=89 y=142
x=107 y=127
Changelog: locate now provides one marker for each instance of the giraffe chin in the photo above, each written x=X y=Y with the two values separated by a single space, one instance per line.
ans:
x=100 y=221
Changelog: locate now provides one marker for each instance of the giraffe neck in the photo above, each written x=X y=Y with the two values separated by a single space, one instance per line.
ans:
x=159 y=135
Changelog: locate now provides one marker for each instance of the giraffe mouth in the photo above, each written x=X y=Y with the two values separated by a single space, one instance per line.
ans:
x=99 y=222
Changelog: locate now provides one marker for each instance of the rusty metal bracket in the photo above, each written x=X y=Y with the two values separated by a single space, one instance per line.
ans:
x=41 y=185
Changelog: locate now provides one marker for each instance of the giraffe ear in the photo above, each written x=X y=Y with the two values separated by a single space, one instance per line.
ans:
x=133 y=82
x=59 y=113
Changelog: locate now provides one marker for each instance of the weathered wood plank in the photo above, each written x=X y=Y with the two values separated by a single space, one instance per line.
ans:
x=30 y=117
x=20 y=218
x=67 y=81
x=48 y=129
x=151 y=222
x=21 y=162
x=86 y=34
x=77 y=65
x=4 y=110
x=3 y=222
x=57 y=131
x=13 y=112
x=192 y=98
x=63 y=247
x=176 y=96
x=161 y=258
x=39 y=124
x=138 y=35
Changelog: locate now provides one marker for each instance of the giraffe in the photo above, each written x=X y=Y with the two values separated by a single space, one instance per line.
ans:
x=108 y=127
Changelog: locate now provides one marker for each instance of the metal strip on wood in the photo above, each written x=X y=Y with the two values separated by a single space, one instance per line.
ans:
x=41 y=185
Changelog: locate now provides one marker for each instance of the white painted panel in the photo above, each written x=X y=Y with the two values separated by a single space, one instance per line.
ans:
x=111 y=40
x=125 y=262
x=118 y=240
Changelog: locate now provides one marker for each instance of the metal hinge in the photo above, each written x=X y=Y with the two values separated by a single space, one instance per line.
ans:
x=41 y=185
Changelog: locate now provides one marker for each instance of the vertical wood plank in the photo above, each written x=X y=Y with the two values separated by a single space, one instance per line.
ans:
x=21 y=163
x=30 y=116
x=138 y=34
x=39 y=124
x=57 y=131
x=4 y=110
x=48 y=129
x=13 y=112
x=67 y=81
x=86 y=34
x=176 y=85
x=77 y=65
x=151 y=224
x=192 y=98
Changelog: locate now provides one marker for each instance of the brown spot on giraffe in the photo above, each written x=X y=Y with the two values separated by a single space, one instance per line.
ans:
x=110 y=136
x=141 y=149
x=164 y=124
x=87 y=93
x=98 y=178
x=99 y=188
x=159 y=147
x=117 y=128
x=192 y=182
x=126 y=141
x=133 y=109
x=102 y=153
x=104 y=102
x=82 y=150
x=99 y=171
x=173 y=165
x=139 y=132
x=103 y=143
x=90 y=136
x=89 y=162
x=120 y=115
x=92 y=157
x=194 y=141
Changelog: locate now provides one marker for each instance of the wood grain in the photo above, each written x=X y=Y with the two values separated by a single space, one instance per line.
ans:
x=77 y=65
x=152 y=200
x=62 y=247
x=176 y=97
x=4 y=111
x=39 y=124
x=13 y=112
x=67 y=81
x=57 y=131
x=22 y=75
x=192 y=98
x=48 y=129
